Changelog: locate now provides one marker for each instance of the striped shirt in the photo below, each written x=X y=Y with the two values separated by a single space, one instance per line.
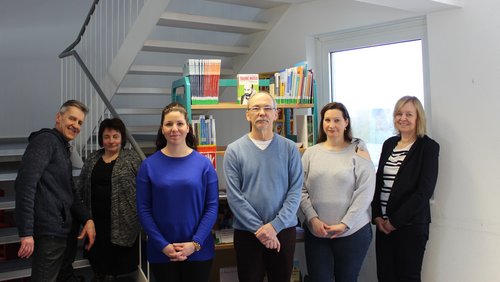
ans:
x=391 y=169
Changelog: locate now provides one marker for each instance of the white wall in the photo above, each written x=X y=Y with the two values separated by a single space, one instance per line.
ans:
x=30 y=41
x=465 y=82
x=464 y=47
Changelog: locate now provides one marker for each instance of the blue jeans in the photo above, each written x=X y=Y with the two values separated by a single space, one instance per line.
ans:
x=48 y=257
x=339 y=258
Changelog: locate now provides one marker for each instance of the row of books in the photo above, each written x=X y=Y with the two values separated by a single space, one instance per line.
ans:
x=204 y=130
x=204 y=76
x=293 y=85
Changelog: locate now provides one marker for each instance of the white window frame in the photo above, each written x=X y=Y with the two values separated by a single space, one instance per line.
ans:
x=367 y=36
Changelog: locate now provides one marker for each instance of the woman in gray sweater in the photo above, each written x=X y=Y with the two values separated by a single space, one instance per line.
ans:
x=107 y=186
x=339 y=182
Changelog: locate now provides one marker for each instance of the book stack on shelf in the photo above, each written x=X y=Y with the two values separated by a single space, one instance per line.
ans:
x=204 y=130
x=204 y=75
x=292 y=85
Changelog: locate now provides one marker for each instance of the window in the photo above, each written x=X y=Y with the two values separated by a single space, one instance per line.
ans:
x=369 y=69
x=368 y=81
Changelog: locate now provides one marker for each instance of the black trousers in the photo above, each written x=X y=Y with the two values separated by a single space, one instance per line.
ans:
x=48 y=256
x=400 y=254
x=183 y=271
x=254 y=260
x=66 y=272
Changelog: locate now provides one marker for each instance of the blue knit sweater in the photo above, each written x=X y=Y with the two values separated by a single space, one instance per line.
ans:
x=177 y=201
x=263 y=186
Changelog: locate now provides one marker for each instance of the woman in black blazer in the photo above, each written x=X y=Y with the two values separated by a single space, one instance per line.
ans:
x=406 y=178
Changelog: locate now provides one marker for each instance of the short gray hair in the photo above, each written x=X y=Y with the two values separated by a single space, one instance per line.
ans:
x=73 y=103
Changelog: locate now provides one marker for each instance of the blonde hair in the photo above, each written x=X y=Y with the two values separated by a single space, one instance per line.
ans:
x=421 y=126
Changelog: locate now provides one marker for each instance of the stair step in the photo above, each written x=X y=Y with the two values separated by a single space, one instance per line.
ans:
x=143 y=129
x=7 y=203
x=12 y=174
x=20 y=268
x=157 y=70
x=163 y=70
x=8 y=175
x=8 y=235
x=139 y=111
x=210 y=23
x=194 y=48
x=148 y=91
x=261 y=4
x=12 y=152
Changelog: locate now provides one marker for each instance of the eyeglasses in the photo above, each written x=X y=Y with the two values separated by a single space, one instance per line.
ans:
x=257 y=109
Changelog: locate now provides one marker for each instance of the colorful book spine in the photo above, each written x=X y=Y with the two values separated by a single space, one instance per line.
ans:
x=204 y=75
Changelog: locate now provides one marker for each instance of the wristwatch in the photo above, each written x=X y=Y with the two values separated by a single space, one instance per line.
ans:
x=197 y=246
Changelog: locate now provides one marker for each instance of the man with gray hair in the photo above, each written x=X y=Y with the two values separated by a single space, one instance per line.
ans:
x=263 y=173
x=45 y=198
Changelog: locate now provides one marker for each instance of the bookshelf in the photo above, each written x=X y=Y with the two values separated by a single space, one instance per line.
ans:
x=185 y=99
x=225 y=254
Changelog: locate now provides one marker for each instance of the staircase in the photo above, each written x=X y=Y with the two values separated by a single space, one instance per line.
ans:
x=137 y=79
x=228 y=30
x=11 y=151
x=10 y=156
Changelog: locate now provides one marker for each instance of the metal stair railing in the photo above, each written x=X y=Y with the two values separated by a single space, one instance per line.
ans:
x=84 y=69
x=85 y=64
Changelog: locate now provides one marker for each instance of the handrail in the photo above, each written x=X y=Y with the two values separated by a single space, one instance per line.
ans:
x=82 y=31
x=110 y=107
x=71 y=50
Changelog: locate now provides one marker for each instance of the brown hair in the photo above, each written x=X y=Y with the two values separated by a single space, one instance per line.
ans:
x=112 y=123
x=161 y=142
x=345 y=115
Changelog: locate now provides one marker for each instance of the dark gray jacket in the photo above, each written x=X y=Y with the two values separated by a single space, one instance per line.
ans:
x=44 y=187
x=125 y=225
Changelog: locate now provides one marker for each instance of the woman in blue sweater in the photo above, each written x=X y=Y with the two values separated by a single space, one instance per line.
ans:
x=177 y=202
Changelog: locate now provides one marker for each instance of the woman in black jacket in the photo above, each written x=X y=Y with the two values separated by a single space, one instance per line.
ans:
x=406 y=179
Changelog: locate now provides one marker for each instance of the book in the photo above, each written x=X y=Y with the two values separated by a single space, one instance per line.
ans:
x=269 y=76
x=248 y=85
x=209 y=151
x=204 y=75
x=204 y=130
x=224 y=236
